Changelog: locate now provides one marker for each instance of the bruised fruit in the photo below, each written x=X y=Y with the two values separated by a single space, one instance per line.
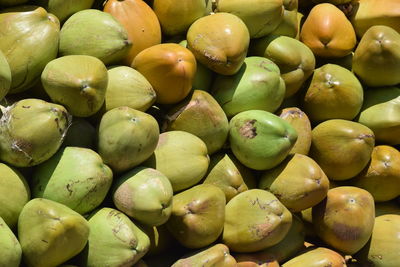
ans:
x=221 y=47
x=124 y=131
x=295 y=60
x=10 y=249
x=144 y=194
x=50 y=233
x=77 y=82
x=228 y=174
x=317 y=257
x=198 y=215
x=327 y=32
x=258 y=85
x=64 y=8
x=140 y=22
x=213 y=256
x=334 y=93
x=178 y=66
x=341 y=148
x=182 y=157
x=176 y=16
x=102 y=37
x=260 y=140
x=31 y=131
x=345 y=219
x=127 y=87
x=75 y=177
x=260 y=16
x=376 y=59
x=382 y=175
x=300 y=185
x=5 y=76
x=33 y=35
x=255 y=220
x=202 y=116
x=383 y=250
x=381 y=113
x=114 y=240
x=300 y=122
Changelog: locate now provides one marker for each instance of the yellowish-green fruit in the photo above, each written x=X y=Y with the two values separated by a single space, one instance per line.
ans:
x=14 y=194
x=64 y=8
x=214 y=256
x=345 y=219
x=255 y=220
x=221 y=47
x=376 y=59
x=182 y=157
x=317 y=257
x=33 y=35
x=50 y=233
x=10 y=249
x=198 y=215
x=5 y=76
x=77 y=82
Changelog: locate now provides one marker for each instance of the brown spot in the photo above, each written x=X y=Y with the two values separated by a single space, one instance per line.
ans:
x=346 y=232
x=248 y=130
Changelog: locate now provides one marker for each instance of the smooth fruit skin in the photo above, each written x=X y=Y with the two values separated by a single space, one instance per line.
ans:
x=5 y=76
x=376 y=59
x=10 y=249
x=317 y=257
x=178 y=65
x=328 y=32
x=63 y=9
x=78 y=82
x=50 y=233
x=222 y=47
x=34 y=35
x=345 y=219
x=260 y=140
x=140 y=21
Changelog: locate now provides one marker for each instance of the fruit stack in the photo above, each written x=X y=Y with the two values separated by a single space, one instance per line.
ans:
x=199 y=133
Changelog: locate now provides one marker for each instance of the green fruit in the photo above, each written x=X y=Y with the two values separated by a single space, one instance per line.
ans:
x=255 y=220
x=202 y=116
x=182 y=157
x=50 y=233
x=345 y=219
x=64 y=8
x=230 y=176
x=376 y=59
x=124 y=131
x=75 y=177
x=261 y=16
x=300 y=122
x=257 y=85
x=5 y=76
x=127 y=87
x=14 y=194
x=381 y=177
x=383 y=250
x=214 y=256
x=295 y=60
x=334 y=93
x=198 y=215
x=221 y=47
x=144 y=194
x=78 y=82
x=289 y=25
x=260 y=140
x=33 y=35
x=317 y=257
x=10 y=249
x=300 y=185
x=381 y=113
x=341 y=148
x=80 y=133
x=102 y=37
x=114 y=240
x=31 y=131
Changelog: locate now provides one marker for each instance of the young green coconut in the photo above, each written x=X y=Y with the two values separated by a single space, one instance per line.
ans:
x=5 y=76
x=10 y=249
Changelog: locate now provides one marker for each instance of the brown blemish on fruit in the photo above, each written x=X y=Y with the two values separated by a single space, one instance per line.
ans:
x=346 y=232
x=248 y=130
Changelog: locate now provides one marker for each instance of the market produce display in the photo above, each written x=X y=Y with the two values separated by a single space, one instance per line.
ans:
x=199 y=133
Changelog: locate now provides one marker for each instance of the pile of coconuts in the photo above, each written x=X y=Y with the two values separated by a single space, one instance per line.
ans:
x=193 y=133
